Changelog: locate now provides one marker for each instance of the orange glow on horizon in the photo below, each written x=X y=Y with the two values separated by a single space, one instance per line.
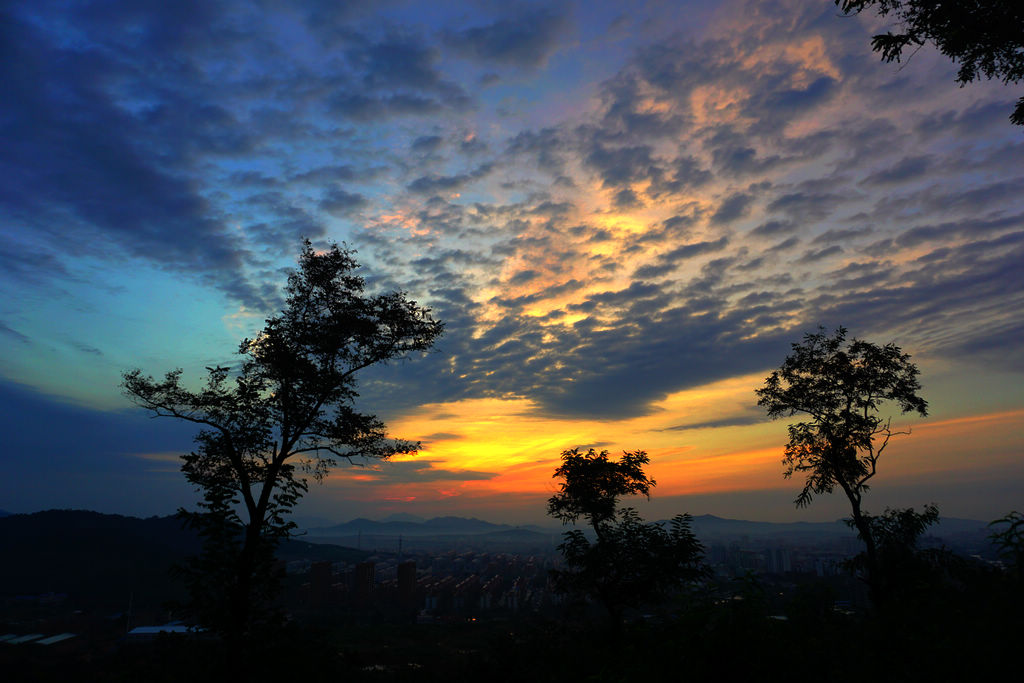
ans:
x=508 y=447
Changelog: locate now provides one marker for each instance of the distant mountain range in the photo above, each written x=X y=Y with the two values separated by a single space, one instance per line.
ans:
x=951 y=530
x=57 y=523
x=706 y=527
x=412 y=526
x=112 y=560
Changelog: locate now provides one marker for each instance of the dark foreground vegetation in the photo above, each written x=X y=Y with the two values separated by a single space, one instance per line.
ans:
x=964 y=632
x=958 y=617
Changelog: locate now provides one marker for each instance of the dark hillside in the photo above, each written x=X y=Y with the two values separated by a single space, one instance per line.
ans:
x=105 y=560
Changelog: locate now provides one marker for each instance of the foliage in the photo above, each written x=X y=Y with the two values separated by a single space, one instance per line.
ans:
x=631 y=562
x=840 y=388
x=593 y=484
x=898 y=530
x=986 y=37
x=901 y=565
x=1010 y=540
x=286 y=410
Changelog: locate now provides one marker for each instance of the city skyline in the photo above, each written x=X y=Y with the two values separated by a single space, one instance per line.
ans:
x=624 y=216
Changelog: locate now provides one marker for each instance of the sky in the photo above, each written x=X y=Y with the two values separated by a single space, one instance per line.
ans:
x=624 y=213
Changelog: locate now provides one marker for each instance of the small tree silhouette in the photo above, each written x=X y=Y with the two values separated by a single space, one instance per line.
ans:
x=631 y=562
x=899 y=564
x=1010 y=541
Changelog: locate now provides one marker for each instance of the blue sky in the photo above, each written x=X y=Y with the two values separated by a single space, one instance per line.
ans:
x=611 y=205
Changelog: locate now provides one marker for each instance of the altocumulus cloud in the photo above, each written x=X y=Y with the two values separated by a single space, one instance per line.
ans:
x=718 y=191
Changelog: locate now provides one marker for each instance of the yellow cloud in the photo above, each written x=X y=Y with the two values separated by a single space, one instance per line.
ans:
x=514 y=438
x=242 y=321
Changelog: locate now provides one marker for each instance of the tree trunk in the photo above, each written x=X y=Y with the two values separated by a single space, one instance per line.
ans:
x=240 y=600
x=874 y=577
x=242 y=606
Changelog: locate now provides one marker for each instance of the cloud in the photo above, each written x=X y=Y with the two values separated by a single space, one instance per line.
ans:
x=626 y=198
x=773 y=228
x=966 y=122
x=426 y=143
x=733 y=421
x=334 y=173
x=340 y=203
x=685 y=172
x=670 y=260
x=790 y=102
x=396 y=61
x=622 y=165
x=31 y=263
x=669 y=327
x=906 y=169
x=807 y=207
x=951 y=230
x=785 y=244
x=740 y=160
x=812 y=255
x=12 y=333
x=732 y=208
x=546 y=147
x=80 y=155
x=432 y=184
x=441 y=436
x=590 y=264
x=407 y=472
x=841 y=235
x=525 y=40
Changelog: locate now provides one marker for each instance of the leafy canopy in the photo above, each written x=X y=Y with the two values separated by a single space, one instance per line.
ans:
x=901 y=571
x=593 y=484
x=1008 y=537
x=632 y=561
x=986 y=37
x=286 y=410
x=839 y=387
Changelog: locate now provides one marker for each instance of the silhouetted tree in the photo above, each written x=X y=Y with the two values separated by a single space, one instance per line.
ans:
x=986 y=37
x=286 y=410
x=1009 y=540
x=593 y=484
x=840 y=386
x=900 y=565
x=631 y=562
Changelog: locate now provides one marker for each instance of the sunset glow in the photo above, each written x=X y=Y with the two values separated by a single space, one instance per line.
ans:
x=624 y=217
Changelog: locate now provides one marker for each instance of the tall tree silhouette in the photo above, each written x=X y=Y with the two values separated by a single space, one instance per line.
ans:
x=286 y=411
x=985 y=37
x=631 y=561
x=840 y=387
